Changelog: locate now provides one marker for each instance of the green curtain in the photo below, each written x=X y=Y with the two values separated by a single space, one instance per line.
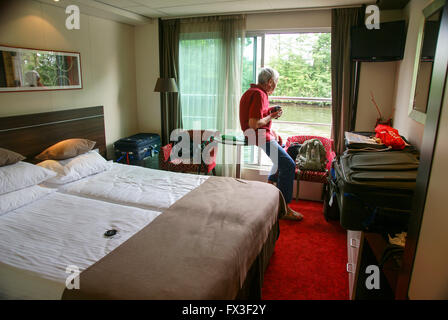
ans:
x=169 y=68
x=210 y=75
x=342 y=72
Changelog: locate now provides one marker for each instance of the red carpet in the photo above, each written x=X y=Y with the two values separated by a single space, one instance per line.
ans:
x=309 y=260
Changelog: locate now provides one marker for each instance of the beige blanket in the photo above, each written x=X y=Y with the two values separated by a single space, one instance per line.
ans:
x=199 y=248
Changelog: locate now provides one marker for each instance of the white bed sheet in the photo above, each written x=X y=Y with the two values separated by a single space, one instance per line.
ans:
x=38 y=241
x=136 y=186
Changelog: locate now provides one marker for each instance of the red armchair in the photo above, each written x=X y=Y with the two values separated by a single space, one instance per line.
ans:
x=168 y=161
x=309 y=175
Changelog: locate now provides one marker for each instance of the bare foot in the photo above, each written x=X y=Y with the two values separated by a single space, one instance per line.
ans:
x=293 y=215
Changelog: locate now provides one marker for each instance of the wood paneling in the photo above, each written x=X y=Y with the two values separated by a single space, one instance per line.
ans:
x=30 y=134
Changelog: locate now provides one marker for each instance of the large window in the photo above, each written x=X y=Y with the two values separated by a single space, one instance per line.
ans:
x=304 y=87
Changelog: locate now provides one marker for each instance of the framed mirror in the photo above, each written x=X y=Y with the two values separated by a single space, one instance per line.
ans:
x=424 y=61
x=24 y=69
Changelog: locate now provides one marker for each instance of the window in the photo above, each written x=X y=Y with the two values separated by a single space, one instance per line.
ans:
x=199 y=81
x=304 y=88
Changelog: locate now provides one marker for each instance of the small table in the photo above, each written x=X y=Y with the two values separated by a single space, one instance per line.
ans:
x=239 y=142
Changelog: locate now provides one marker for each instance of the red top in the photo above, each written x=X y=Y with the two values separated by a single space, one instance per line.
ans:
x=255 y=104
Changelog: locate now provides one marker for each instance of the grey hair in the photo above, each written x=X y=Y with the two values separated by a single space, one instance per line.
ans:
x=266 y=74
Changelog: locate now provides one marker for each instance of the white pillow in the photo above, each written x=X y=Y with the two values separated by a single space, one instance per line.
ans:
x=75 y=168
x=21 y=175
x=16 y=199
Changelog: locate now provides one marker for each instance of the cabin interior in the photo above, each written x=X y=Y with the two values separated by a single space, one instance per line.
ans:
x=122 y=48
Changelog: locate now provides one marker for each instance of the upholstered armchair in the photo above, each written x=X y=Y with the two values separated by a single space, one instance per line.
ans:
x=309 y=175
x=172 y=162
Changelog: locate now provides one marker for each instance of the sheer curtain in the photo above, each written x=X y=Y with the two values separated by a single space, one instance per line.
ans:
x=210 y=74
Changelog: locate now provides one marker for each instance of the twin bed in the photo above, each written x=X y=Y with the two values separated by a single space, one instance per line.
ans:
x=179 y=236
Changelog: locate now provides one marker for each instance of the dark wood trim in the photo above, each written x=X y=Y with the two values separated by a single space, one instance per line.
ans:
x=32 y=133
x=436 y=96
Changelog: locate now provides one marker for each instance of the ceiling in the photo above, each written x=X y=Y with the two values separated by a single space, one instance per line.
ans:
x=138 y=11
x=167 y=8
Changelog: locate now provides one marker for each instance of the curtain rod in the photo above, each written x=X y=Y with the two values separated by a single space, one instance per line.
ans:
x=264 y=11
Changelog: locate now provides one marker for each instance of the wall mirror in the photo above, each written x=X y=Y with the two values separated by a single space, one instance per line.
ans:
x=424 y=61
x=24 y=69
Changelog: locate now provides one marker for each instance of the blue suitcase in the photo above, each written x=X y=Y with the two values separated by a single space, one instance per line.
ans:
x=136 y=148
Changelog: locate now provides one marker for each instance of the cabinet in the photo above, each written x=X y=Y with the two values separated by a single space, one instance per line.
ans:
x=363 y=250
x=355 y=241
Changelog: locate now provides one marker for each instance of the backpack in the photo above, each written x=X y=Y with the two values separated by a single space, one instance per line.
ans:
x=312 y=156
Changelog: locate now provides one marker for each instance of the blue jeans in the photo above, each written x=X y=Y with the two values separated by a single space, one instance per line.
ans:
x=285 y=166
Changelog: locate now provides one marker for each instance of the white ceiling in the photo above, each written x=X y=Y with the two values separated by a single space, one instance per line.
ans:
x=141 y=11
x=169 y=8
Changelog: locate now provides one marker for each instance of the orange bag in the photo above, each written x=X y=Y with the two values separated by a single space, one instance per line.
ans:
x=389 y=136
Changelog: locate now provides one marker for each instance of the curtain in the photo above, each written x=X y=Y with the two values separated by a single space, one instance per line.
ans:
x=210 y=75
x=169 y=68
x=342 y=73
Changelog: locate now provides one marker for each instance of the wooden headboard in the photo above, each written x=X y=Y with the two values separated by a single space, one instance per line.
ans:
x=30 y=134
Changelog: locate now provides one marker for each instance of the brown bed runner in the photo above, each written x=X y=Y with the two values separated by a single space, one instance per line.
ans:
x=199 y=248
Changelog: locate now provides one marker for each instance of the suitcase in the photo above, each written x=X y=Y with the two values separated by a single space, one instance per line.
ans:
x=358 y=146
x=374 y=190
x=331 y=208
x=136 y=148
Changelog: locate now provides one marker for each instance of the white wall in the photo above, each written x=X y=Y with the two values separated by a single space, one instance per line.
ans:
x=147 y=72
x=429 y=278
x=107 y=59
x=318 y=19
x=378 y=78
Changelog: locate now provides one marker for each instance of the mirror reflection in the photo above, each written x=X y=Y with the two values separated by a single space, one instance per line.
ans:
x=31 y=70
x=428 y=50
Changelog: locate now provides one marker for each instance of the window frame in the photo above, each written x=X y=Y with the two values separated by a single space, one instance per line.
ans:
x=262 y=33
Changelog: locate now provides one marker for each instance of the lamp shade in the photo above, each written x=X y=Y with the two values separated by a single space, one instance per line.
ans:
x=165 y=85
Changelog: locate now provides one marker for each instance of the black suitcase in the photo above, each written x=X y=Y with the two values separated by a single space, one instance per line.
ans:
x=331 y=207
x=136 y=148
x=374 y=190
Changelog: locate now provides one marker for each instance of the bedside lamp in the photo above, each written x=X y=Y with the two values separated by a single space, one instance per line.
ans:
x=165 y=85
